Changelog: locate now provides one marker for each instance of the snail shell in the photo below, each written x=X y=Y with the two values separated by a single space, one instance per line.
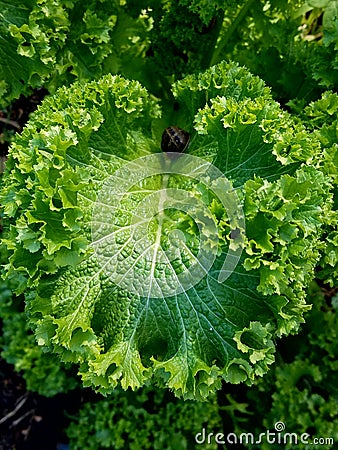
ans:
x=174 y=139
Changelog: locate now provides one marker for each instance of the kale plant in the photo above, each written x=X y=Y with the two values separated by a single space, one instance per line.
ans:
x=137 y=280
x=145 y=268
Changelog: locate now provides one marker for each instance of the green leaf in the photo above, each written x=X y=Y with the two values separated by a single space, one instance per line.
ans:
x=177 y=268
x=54 y=42
x=330 y=23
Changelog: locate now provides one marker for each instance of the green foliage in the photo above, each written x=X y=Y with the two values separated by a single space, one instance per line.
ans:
x=302 y=389
x=290 y=44
x=301 y=392
x=180 y=30
x=321 y=118
x=60 y=192
x=54 y=42
x=163 y=422
x=42 y=372
x=76 y=254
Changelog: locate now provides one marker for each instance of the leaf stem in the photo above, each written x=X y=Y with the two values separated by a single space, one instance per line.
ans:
x=219 y=50
x=208 y=54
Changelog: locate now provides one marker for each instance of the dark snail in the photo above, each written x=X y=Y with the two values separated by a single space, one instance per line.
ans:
x=174 y=139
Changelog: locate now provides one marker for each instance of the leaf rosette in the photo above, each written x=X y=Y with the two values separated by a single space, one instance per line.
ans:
x=137 y=265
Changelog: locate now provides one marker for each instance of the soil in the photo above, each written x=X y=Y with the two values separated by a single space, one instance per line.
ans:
x=29 y=421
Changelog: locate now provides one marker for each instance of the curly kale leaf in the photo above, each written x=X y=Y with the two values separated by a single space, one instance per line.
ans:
x=52 y=43
x=142 y=265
